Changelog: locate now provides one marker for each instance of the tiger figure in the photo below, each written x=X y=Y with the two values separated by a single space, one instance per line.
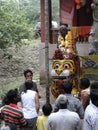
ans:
x=63 y=71
x=65 y=64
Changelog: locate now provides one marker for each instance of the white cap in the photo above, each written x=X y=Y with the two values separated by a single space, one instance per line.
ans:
x=62 y=99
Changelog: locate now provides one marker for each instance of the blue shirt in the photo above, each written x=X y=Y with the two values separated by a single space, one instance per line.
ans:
x=74 y=105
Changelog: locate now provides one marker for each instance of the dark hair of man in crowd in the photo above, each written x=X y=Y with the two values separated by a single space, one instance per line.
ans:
x=94 y=85
x=67 y=86
x=28 y=85
x=84 y=83
x=47 y=109
x=12 y=94
x=5 y=101
x=27 y=71
x=62 y=106
x=94 y=96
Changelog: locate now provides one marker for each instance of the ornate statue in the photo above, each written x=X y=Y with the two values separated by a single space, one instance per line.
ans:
x=65 y=65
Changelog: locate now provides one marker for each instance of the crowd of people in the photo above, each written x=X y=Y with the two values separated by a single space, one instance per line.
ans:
x=67 y=112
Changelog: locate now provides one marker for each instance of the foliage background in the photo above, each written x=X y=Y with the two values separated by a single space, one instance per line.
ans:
x=18 y=19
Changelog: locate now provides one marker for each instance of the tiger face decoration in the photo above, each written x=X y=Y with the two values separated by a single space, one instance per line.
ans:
x=65 y=65
x=62 y=71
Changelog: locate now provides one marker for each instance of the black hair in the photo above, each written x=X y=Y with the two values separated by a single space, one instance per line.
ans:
x=11 y=95
x=94 y=85
x=84 y=83
x=47 y=109
x=28 y=84
x=63 y=105
x=63 y=30
x=27 y=71
x=5 y=101
x=94 y=95
x=67 y=86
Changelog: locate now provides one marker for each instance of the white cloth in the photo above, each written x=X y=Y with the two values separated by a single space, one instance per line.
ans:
x=28 y=104
x=92 y=46
x=91 y=117
x=5 y=128
x=64 y=120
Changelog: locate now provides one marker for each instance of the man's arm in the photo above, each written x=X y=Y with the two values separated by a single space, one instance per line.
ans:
x=37 y=102
x=22 y=120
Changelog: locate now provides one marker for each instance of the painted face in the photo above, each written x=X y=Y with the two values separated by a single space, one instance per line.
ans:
x=62 y=68
x=29 y=76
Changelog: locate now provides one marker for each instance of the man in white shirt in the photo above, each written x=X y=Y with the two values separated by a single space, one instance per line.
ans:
x=91 y=112
x=74 y=103
x=64 y=119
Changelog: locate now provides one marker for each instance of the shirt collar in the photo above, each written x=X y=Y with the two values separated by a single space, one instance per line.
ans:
x=96 y=108
x=62 y=110
x=13 y=105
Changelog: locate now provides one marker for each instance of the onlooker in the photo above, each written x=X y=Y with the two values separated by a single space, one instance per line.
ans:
x=28 y=74
x=11 y=113
x=30 y=106
x=74 y=103
x=64 y=119
x=41 y=120
x=62 y=35
x=91 y=112
x=94 y=85
x=85 y=91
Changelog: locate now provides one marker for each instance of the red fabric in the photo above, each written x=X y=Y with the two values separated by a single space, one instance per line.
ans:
x=82 y=31
x=67 y=5
x=78 y=1
x=78 y=4
x=66 y=18
x=13 y=105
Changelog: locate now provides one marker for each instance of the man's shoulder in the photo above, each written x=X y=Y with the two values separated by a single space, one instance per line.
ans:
x=22 y=87
x=74 y=100
x=90 y=110
x=34 y=82
x=71 y=97
x=11 y=108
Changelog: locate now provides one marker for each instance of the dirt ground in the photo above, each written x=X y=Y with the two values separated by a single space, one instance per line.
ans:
x=42 y=93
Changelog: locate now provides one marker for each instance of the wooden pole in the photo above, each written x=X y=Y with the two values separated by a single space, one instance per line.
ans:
x=47 y=50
